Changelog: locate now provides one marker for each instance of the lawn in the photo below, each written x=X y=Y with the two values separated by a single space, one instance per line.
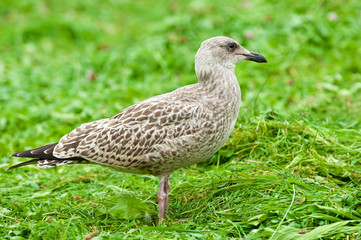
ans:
x=290 y=170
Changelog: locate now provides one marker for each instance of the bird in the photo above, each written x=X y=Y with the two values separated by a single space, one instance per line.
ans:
x=165 y=132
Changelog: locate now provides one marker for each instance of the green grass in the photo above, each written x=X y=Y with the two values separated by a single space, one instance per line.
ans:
x=297 y=137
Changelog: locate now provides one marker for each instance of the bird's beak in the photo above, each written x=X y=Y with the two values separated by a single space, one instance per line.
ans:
x=256 y=57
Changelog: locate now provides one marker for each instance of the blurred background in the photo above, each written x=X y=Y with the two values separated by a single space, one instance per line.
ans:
x=66 y=62
x=63 y=63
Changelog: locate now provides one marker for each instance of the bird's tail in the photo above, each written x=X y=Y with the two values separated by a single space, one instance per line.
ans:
x=43 y=156
x=32 y=161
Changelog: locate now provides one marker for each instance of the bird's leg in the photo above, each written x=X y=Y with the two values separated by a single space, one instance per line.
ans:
x=166 y=191
x=163 y=196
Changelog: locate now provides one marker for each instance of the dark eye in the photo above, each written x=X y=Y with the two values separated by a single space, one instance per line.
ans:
x=231 y=45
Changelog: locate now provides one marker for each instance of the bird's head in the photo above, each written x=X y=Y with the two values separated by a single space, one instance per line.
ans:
x=223 y=51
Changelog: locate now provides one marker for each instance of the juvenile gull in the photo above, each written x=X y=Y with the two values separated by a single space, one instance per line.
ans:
x=165 y=132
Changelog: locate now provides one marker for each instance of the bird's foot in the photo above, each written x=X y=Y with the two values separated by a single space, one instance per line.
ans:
x=164 y=218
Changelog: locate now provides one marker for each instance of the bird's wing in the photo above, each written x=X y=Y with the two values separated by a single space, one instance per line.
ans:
x=128 y=139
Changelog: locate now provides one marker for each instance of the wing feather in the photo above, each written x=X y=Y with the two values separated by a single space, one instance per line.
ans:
x=134 y=137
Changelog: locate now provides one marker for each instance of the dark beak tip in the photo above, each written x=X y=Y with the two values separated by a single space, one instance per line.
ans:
x=256 y=57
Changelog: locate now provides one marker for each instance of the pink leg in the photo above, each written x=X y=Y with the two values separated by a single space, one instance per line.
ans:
x=161 y=201
x=166 y=190
x=163 y=196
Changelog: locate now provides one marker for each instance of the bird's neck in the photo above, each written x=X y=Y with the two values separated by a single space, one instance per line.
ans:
x=221 y=84
x=205 y=69
x=219 y=79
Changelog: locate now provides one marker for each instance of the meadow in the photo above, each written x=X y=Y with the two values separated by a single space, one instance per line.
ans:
x=290 y=170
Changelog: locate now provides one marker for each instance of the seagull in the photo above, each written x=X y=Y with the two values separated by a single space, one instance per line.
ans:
x=165 y=132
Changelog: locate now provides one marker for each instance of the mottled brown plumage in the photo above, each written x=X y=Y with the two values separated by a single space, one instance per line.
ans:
x=165 y=132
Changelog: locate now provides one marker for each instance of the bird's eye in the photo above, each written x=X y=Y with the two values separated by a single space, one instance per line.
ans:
x=231 y=45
